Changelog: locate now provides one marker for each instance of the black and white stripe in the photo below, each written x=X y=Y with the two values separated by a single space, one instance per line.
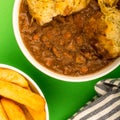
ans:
x=104 y=107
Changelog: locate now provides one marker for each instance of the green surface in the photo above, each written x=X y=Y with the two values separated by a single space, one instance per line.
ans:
x=63 y=98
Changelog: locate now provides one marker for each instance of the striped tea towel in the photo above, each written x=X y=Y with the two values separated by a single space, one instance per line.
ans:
x=105 y=106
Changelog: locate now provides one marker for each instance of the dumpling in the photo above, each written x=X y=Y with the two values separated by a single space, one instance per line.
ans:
x=111 y=17
x=44 y=10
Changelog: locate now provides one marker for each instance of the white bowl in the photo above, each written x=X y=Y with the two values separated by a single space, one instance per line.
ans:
x=43 y=69
x=31 y=82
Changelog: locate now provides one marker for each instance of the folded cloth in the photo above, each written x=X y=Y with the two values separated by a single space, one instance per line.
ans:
x=104 y=106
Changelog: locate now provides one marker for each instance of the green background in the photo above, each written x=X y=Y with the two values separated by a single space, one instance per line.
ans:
x=63 y=98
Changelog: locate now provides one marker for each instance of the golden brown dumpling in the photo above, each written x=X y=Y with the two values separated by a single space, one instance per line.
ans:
x=111 y=17
x=44 y=10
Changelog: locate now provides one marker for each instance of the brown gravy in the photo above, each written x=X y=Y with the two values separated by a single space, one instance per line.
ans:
x=67 y=44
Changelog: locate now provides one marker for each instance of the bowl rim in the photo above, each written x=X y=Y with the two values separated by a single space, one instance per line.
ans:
x=45 y=70
x=31 y=81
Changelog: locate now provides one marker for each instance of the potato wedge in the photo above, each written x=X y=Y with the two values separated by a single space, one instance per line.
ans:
x=3 y=115
x=12 y=76
x=22 y=96
x=37 y=115
x=34 y=115
x=26 y=112
x=13 y=111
